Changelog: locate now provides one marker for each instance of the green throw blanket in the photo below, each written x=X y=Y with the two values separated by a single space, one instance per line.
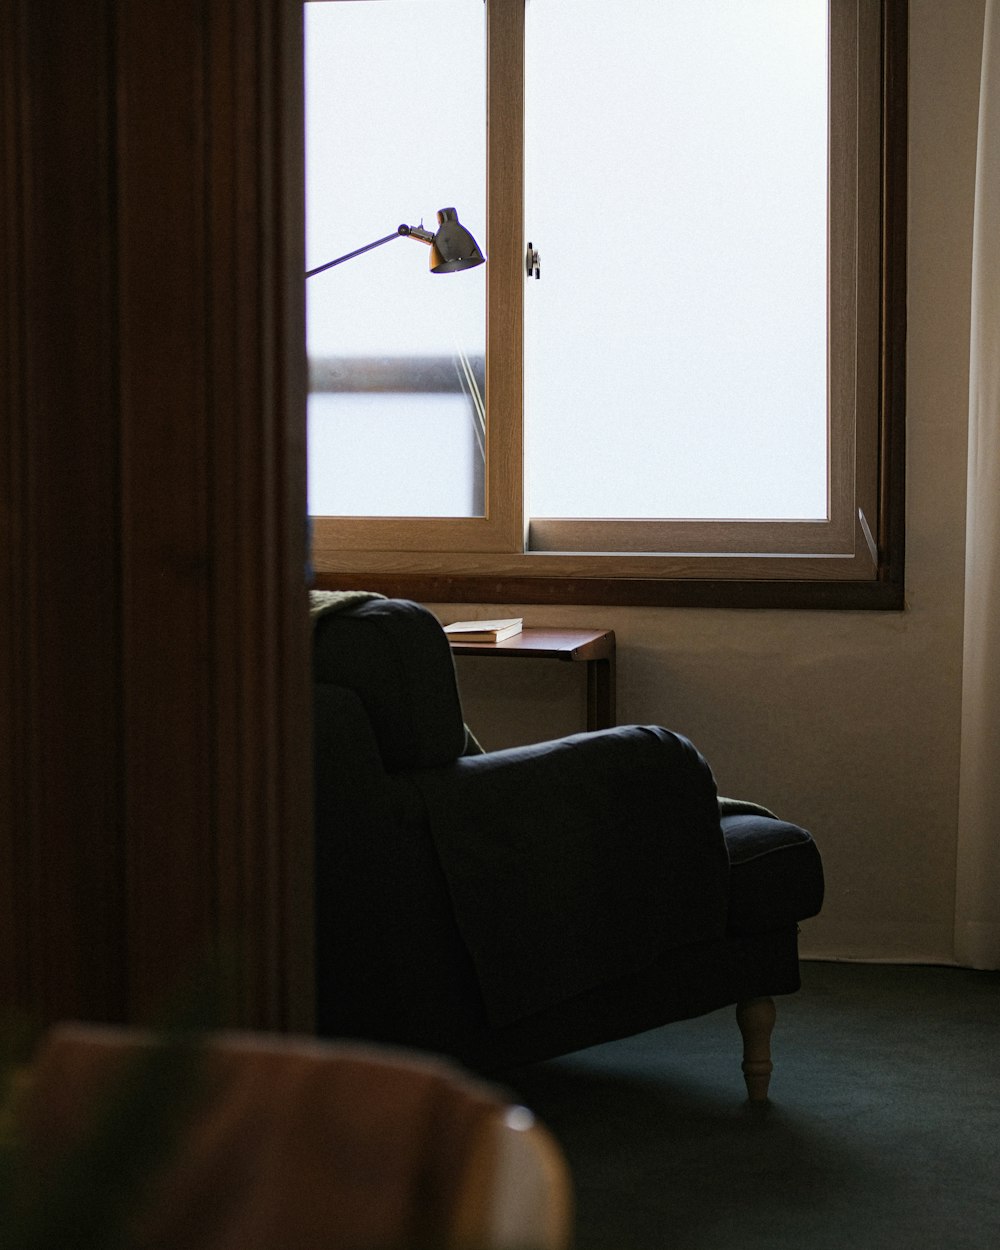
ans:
x=323 y=601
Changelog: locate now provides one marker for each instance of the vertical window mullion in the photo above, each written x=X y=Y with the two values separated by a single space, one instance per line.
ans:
x=504 y=280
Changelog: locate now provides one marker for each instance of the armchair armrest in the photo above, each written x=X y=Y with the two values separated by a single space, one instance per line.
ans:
x=571 y=863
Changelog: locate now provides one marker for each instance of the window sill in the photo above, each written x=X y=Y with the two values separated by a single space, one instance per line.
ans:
x=827 y=595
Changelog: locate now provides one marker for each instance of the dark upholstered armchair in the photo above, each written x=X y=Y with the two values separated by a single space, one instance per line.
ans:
x=509 y=906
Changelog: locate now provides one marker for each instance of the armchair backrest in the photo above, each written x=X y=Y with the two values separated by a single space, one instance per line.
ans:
x=395 y=656
x=390 y=962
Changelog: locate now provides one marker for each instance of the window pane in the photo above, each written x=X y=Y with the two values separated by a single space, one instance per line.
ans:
x=395 y=130
x=418 y=446
x=676 y=190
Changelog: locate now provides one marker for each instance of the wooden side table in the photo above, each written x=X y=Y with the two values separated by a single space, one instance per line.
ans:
x=594 y=647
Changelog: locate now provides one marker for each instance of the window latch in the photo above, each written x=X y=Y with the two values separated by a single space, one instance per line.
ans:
x=532 y=262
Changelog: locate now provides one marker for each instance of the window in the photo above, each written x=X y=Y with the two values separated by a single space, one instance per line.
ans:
x=701 y=400
x=396 y=355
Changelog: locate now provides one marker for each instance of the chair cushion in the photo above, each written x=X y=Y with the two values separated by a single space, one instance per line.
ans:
x=775 y=873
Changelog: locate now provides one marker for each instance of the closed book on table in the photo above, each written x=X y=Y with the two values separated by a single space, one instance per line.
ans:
x=483 y=631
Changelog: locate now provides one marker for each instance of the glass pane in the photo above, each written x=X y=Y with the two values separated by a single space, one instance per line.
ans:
x=677 y=192
x=395 y=130
x=414 y=445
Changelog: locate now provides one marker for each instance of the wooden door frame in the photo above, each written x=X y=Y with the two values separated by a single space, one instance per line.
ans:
x=154 y=638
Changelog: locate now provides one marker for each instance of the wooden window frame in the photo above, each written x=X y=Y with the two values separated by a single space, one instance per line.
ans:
x=855 y=560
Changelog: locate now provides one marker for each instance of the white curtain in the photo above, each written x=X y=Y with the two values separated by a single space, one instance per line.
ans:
x=977 y=913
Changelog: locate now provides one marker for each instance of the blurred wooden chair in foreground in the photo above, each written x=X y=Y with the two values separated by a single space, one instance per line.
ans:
x=253 y=1142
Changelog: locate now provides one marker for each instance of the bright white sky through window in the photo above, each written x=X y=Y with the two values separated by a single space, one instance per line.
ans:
x=676 y=190
x=395 y=130
x=676 y=163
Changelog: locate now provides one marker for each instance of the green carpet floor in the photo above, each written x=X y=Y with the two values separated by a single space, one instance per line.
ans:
x=883 y=1129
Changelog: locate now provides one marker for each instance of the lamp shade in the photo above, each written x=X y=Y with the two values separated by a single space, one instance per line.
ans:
x=453 y=247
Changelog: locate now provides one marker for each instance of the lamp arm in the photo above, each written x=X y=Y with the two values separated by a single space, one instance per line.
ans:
x=415 y=232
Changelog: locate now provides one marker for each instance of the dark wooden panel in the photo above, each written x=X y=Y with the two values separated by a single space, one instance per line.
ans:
x=60 y=697
x=154 y=646
x=167 y=443
x=215 y=626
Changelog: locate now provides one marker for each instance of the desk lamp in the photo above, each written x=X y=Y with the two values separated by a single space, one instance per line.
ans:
x=452 y=246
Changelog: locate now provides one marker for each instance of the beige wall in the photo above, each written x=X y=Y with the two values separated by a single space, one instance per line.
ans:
x=844 y=722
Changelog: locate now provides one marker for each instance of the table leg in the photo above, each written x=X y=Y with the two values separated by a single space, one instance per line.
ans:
x=601 y=710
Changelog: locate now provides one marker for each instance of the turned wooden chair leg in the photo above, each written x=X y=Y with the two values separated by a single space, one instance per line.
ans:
x=756 y=1020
